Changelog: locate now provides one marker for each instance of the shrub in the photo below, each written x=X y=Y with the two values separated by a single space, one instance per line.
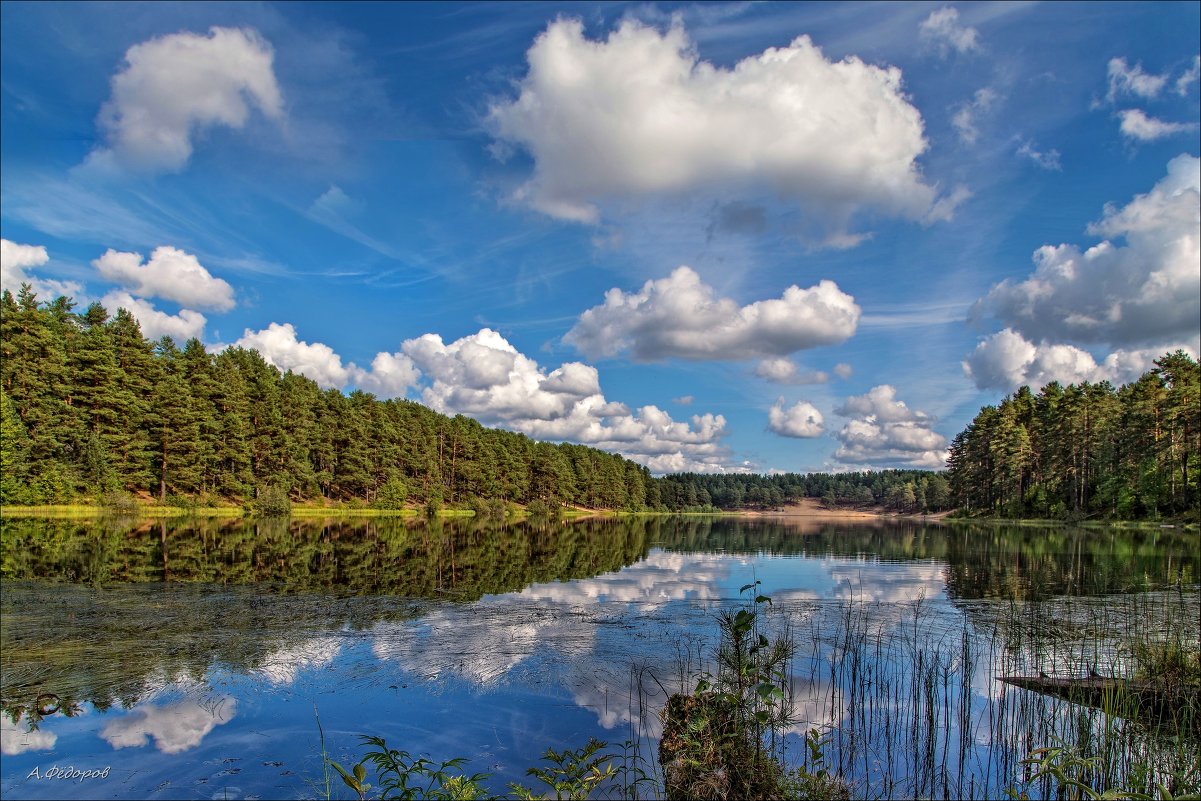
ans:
x=392 y=495
x=121 y=503
x=273 y=501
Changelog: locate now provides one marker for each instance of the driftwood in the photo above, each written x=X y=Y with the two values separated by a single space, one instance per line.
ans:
x=1155 y=702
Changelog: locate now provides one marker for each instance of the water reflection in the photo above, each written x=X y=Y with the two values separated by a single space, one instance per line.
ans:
x=16 y=737
x=174 y=727
x=503 y=640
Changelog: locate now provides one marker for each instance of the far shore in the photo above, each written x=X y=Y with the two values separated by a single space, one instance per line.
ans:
x=802 y=511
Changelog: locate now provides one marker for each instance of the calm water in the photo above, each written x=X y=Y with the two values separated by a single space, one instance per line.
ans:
x=193 y=658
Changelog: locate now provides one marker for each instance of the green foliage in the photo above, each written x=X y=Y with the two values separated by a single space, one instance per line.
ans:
x=90 y=405
x=399 y=775
x=1087 y=450
x=392 y=495
x=813 y=780
x=542 y=509
x=719 y=742
x=119 y=503
x=273 y=501
x=1072 y=776
x=1170 y=661
x=571 y=774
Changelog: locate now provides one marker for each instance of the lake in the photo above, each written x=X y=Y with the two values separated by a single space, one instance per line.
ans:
x=208 y=659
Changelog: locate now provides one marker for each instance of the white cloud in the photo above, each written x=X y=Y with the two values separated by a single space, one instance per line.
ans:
x=1006 y=360
x=1137 y=125
x=391 y=374
x=484 y=376
x=1138 y=294
x=965 y=116
x=156 y=324
x=175 y=727
x=16 y=738
x=640 y=114
x=942 y=31
x=171 y=274
x=279 y=346
x=843 y=370
x=802 y=419
x=678 y=317
x=880 y=402
x=1189 y=77
x=16 y=260
x=884 y=432
x=175 y=85
x=783 y=370
x=683 y=400
x=1125 y=81
x=1048 y=160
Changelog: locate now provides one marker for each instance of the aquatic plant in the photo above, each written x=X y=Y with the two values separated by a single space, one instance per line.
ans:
x=571 y=774
x=401 y=776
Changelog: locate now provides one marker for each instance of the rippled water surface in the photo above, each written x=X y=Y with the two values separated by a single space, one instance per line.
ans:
x=194 y=659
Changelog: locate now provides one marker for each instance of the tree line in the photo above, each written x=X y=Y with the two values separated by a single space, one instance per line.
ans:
x=91 y=407
x=907 y=491
x=1086 y=449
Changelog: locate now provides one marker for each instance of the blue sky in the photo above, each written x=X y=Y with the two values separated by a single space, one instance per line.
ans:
x=712 y=237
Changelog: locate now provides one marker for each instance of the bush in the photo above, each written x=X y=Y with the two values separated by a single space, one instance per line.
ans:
x=487 y=507
x=392 y=495
x=540 y=508
x=121 y=503
x=272 y=501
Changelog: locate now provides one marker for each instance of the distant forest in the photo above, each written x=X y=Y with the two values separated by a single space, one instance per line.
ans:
x=89 y=408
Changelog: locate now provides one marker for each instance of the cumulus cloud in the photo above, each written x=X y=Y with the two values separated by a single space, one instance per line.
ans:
x=1127 y=81
x=15 y=262
x=640 y=114
x=279 y=345
x=782 y=370
x=171 y=274
x=1137 y=294
x=843 y=370
x=175 y=727
x=965 y=116
x=390 y=376
x=1137 y=125
x=484 y=376
x=802 y=420
x=942 y=31
x=1006 y=360
x=679 y=316
x=883 y=431
x=155 y=323
x=173 y=86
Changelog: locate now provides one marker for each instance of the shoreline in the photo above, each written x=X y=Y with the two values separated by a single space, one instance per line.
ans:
x=807 y=510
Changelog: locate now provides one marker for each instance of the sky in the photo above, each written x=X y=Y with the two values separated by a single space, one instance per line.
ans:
x=714 y=237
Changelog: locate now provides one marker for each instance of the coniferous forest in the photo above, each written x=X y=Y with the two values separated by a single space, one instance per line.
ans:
x=93 y=408
x=1086 y=450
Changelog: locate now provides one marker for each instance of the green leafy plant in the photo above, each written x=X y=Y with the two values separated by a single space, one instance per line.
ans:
x=399 y=775
x=571 y=774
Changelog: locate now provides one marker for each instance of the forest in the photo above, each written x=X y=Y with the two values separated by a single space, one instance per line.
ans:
x=91 y=409
x=1086 y=450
